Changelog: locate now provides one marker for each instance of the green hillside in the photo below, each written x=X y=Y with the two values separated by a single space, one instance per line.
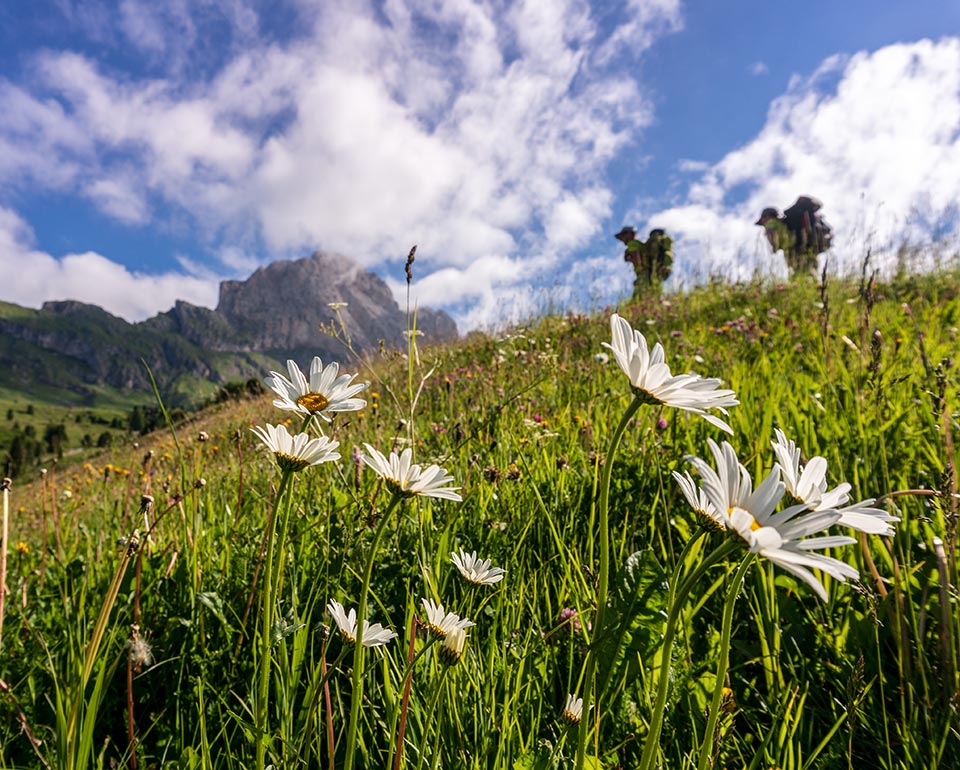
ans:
x=71 y=354
x=210 y=643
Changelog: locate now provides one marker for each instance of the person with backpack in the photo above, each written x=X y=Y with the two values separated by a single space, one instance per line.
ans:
x=801 y=232
x=652 y=261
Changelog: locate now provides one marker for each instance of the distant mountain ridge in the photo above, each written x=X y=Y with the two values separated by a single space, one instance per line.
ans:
x=275 y=314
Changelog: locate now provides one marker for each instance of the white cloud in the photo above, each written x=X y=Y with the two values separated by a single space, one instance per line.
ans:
x=758 y=68
x=875 y=136
x=641 y=26
x=119 y=199
x=143 y=25
x=478 y=131
x=88 y=277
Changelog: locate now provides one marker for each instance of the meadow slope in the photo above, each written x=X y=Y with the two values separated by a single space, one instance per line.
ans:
x=152 y=653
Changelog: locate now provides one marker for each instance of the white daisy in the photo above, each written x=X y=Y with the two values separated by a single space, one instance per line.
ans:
x=294 y=453
x=699 y=502
x=474 y=570
x=651 y=380
x=325 y=392
x=775 y=536
x=410 y=480
x=808 y=484
x=441 y=622
x=452 y=648
x=374 y=635
x=572 y=710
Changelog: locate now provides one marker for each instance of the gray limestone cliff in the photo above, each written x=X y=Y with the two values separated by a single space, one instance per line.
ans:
x=279 y=312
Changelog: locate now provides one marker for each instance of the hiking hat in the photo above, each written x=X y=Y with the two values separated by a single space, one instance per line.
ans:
x=768 y=212
x=627 y=231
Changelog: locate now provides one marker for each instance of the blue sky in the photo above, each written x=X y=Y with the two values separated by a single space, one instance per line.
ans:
x=149 y=150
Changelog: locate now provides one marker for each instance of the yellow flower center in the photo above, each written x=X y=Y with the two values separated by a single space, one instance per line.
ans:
x=313 y=402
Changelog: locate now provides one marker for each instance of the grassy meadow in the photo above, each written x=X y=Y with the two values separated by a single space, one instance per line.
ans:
x=204 y=639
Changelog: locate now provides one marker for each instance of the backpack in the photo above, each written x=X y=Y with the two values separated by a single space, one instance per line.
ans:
x=809 y=228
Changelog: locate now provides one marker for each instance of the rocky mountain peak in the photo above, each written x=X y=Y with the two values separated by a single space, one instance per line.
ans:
x=279 y=312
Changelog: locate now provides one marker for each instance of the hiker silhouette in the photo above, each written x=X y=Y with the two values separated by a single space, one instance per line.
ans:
x=801 y=232
x=652 y=260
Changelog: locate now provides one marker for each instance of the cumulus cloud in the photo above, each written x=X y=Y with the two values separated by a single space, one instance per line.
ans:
x=875 y=136
x=88 y=277
x=479 y=132
x=118 y=198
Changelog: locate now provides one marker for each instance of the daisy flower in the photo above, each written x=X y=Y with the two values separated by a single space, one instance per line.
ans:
x=651 y=380
x=780 y=537
x=374 y=635
x=441 y=622
x=808 y=484
x=700 y=503
x=410 y=480
x=452 y=648
x=572 y=710
x=478 y=572
x=294 y=453
x=324 y=392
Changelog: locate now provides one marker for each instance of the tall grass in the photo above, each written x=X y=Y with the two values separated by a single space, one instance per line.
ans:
x=862 y=375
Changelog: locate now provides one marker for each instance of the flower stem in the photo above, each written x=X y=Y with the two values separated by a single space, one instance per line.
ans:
x=706 y=748
x=356 y=693
x=430 y=717
x=602 y=581
x=266 y=614
x=677 y=598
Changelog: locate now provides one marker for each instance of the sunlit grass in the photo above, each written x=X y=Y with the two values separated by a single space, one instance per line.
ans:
x=522 y=422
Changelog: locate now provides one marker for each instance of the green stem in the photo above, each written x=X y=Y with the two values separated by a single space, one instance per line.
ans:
x=266 y=614
x=678 y=596
x=706 y=747
x=313 y=696
x=431 y=711
x=93 y=647
x=602 y=581
x=356 y=695
x=678 y=570
x=395 y=757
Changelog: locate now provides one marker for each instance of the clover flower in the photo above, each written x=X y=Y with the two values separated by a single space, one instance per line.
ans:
x=324 y=392
x=409 y=480
x=475 y=571
x=651 y=380
x=294 y=453
x=374 y=635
